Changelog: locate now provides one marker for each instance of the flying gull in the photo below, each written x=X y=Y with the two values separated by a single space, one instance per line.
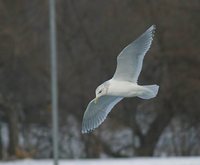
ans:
x=123 y=83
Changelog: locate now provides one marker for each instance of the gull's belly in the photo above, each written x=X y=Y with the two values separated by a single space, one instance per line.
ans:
x=124 y=89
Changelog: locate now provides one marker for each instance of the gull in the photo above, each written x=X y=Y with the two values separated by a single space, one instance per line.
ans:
x=122 y=84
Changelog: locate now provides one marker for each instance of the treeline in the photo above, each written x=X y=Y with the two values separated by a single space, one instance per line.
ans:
x=90 y=36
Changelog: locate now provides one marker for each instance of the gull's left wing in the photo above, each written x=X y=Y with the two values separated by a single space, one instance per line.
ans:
x=97 y=112
x=129 y=61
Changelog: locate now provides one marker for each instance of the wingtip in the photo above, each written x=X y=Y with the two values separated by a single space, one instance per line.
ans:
x=152 y=27
x=152 y=30
x=87 y=128
x=85 y=131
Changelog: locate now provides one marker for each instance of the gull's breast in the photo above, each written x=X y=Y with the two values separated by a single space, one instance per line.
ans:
x=124 y=88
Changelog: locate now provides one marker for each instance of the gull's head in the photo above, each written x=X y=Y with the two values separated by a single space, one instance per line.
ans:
x=101 y=90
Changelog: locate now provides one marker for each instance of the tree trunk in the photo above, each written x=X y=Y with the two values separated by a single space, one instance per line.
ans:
x=150 y=139
x=144 y=150
x=1 y=145
x=92 y=146
x=13 y=131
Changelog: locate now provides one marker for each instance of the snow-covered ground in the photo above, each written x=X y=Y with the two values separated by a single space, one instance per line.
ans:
x=132 y=161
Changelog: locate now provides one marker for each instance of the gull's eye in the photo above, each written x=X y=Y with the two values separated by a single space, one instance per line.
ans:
x=100 y=91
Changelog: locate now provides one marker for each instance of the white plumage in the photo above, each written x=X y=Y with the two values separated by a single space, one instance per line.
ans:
x=123 y=84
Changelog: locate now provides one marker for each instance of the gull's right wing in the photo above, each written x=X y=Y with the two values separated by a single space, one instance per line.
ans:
x=97 y=112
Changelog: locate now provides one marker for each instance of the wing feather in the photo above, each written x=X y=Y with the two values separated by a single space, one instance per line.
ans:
x=129 y=61
x=96 y=113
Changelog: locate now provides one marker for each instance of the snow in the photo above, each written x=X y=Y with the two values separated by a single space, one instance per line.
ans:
x=128 y=161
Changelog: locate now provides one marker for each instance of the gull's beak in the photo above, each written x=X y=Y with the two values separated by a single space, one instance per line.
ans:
x=96 y=99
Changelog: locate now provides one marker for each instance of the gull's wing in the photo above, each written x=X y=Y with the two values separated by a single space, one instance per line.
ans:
x=97 y=112
x=129 y=61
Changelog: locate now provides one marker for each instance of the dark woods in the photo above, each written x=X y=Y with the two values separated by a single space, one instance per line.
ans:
x=90 y=36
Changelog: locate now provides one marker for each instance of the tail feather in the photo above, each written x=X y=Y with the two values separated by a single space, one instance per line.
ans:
x=150 y=91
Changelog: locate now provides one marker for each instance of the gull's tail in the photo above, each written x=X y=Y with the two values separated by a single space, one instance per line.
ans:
x=150 y=91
